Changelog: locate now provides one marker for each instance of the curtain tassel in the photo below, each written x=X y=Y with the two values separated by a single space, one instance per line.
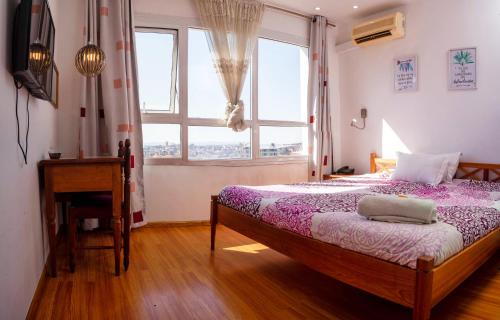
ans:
x=235 y=116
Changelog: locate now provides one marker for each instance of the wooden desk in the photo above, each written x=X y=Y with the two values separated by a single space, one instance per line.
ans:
x=80 y=175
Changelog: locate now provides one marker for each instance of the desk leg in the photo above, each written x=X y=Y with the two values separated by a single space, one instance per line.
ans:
x=50 y=214
x=126 y=239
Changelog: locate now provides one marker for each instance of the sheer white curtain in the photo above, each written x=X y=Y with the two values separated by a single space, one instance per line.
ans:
x=232 y=31
x=320 y=126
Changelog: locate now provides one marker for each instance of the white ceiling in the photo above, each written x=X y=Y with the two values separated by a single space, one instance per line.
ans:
x=340 y=12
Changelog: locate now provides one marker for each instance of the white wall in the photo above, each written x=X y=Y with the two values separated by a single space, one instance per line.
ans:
x=334 y=80
x=71 y=39
x=23 y=240
x=182 y=193
x=433 y=119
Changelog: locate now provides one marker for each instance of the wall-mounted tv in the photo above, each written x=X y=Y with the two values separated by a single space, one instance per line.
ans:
x=33 y=47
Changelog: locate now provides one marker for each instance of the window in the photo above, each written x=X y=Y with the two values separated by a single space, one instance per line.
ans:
x=157 y=63
x=282 y=141
x=189 y=127
x=283 y=74
x=161 y=140
x=208 y=143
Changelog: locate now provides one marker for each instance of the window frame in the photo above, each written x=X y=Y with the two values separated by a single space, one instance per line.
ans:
x=156 y=24
x=175 y=66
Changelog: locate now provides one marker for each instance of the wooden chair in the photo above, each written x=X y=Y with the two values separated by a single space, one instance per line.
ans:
x=98 y=205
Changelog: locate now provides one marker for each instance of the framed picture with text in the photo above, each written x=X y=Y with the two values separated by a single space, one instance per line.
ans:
x=462 y=69
x=405 y=74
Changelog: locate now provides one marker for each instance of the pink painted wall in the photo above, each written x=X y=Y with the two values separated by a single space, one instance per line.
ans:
x=433 y=119
x=23 y=240
x=182 y=193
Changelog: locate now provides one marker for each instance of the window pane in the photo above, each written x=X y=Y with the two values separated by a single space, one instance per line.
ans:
x=205 y=95
x=283 y=141
x=207 y=143
x=161 y=140
x=157 y=64
x=283 y=76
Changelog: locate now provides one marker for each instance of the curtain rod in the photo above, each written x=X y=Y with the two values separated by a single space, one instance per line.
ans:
x=294 y=13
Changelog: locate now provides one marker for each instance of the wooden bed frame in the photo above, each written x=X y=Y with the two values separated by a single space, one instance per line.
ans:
x=420 y=289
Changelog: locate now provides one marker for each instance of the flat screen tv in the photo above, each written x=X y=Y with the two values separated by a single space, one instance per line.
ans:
x=33 y=47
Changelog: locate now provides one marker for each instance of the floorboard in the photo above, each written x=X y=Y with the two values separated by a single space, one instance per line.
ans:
x=173 y=275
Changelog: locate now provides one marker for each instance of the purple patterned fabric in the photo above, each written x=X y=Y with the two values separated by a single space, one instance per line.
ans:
x=399 y=187
x=295 y=213
x=240 y=198
x=395 y=242
x=467 y=211
x=481 y=185
x=472 y=222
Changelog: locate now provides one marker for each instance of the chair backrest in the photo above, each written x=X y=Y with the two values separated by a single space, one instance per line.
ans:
x=124 y=153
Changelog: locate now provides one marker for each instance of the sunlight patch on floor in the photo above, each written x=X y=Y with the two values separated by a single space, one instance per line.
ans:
x=248 y=248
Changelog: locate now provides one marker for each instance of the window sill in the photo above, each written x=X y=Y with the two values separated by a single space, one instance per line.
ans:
x=226 y=163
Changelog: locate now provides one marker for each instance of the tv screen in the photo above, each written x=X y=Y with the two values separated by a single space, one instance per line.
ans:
x=33 y=47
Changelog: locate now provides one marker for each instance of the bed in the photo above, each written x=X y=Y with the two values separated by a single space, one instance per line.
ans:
x=412 y=265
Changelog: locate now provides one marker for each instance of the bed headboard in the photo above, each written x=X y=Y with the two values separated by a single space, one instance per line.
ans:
x=466 y=170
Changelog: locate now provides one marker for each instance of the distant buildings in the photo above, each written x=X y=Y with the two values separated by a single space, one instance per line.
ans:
x=162 y=151
x=282 y=150
x=220 y=151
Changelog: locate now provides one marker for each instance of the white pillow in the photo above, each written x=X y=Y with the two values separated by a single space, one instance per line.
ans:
x=453 y=161
x=420 y=168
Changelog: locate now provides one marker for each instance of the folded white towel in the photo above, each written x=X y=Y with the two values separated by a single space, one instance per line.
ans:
x=397 y=209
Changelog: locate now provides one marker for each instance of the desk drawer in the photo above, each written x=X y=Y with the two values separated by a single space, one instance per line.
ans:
x=81 y=178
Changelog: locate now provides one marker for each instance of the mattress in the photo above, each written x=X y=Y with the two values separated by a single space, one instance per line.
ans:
x=467 y=211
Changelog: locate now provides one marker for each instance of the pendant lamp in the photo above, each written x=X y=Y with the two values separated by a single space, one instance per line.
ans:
x=39 y=58
x=90 y=60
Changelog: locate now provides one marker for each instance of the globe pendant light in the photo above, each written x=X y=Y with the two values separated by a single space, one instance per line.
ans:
x=90 y=60
x=39 y=58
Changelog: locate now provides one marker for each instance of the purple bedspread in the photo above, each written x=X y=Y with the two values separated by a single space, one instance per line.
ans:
x=467 y=211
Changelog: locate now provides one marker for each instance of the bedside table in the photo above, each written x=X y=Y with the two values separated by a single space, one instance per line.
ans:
x=336 y=176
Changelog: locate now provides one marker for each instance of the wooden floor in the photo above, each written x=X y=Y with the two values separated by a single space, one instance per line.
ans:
x=172 y=275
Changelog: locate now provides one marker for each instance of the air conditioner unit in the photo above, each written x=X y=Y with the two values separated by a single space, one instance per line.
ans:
x=379 y=30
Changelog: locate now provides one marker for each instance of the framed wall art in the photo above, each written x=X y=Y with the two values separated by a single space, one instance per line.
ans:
x=462 y=69
x=405 y=74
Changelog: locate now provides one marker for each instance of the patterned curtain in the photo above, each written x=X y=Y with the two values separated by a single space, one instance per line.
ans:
x=320 y=122
x=110 y=110
x=232 y=31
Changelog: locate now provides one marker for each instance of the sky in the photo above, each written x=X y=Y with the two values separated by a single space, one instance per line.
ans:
x=282 y=89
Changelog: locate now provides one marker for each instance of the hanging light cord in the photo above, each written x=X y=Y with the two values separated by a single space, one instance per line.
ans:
x=24 y=151
x=40 y=25
x=88 y=21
